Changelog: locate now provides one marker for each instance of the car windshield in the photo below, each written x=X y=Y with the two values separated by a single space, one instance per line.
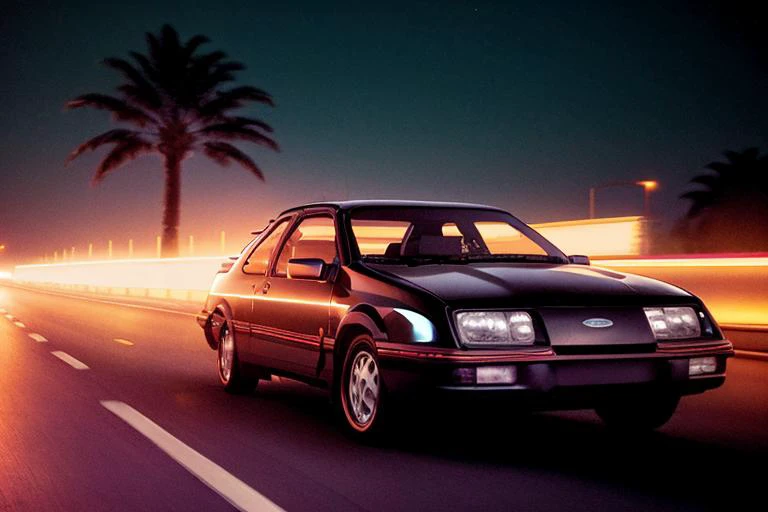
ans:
x=412 y=235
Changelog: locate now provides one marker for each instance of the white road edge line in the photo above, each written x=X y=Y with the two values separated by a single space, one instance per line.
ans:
x=229 y=487
x=37 y=337
x=71 y=361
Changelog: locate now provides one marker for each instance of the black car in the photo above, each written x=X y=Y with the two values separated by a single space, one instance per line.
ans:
x=372 y=298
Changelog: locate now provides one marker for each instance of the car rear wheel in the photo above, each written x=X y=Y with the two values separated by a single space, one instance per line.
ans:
x=230 y=373
x=361 y=389
x=638 y=412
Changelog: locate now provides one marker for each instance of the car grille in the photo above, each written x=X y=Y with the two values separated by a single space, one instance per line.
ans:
x=638 y=348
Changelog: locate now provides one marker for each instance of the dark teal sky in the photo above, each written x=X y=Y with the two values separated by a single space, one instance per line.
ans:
x=524 y=105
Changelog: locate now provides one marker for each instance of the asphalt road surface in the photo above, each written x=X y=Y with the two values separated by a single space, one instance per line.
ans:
x=110 y=407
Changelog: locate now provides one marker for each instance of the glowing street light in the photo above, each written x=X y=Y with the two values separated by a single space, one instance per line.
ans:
x=648 y=187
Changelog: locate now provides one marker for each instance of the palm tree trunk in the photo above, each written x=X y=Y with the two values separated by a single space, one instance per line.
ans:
x=172 y=205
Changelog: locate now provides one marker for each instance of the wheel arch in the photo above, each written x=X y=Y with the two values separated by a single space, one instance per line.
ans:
x=360 y=320
x=220 y=315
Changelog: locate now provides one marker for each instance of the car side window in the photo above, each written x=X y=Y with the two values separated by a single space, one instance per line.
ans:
x=258 y=260
x=314 y=237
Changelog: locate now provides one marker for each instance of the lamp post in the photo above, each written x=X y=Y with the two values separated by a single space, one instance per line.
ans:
x=648 y=187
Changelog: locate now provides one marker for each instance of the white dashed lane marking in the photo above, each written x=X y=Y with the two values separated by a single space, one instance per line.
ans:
x=122 y=341
x=37 y=337
x=19 y=325
x=71 y=361
x=229 y=487
x=9 y=317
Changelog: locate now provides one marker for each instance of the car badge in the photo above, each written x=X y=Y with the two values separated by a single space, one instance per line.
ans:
x=597 y=323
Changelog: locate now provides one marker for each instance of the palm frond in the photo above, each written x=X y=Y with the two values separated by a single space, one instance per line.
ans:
x=110 y=137
x=750 y=153
x=711 y=181
x=193 y=43
x=700 y=200
x=247 y=121
x=223 y=153
x=234 y=98
x=169 y=38
x=122 y=153
x=229 y=66
x=146 y=66
x=209 y=59
x=120 y=109
x=155 y=50
x=721 y=168
x=227 y=131
x=139 y=89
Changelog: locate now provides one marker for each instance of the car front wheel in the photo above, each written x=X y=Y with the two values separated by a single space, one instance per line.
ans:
x=230 y=373
x=638 y=412
x=361 y=389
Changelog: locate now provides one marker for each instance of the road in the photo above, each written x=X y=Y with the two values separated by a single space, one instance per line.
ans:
x=63 y=446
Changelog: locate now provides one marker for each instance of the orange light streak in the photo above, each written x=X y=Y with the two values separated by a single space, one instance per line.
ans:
x=686 y=262
x=616 y=236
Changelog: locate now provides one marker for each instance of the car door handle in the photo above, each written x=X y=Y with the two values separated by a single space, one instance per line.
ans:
x=265 y=288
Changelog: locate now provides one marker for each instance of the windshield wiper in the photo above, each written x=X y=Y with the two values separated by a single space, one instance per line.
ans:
x=413 y=260
x=383 y=259
x=465 y=258
x=529 y=258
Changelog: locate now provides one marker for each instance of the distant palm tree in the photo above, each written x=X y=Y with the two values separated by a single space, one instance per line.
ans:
x=173 y=98
x=731 y=211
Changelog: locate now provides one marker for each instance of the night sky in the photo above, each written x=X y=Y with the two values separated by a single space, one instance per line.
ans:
x=524 y=105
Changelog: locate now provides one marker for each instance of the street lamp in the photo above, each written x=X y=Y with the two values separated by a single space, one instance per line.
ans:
x=648 y=187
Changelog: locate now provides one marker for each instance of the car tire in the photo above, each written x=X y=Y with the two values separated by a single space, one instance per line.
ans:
x=360 y=391
x=228 y=365
x=638 y=412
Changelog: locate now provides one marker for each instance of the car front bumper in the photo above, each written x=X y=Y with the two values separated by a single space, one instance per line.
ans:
x=543 y=376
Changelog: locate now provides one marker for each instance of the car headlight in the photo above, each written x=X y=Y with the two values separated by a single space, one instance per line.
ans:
x=495 y=328
x=673 y=323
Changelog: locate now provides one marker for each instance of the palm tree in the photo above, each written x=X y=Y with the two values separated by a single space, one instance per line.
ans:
x=173 y=99
x=730 y=212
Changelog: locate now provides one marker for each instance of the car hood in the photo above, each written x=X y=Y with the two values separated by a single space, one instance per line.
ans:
x=533 y=284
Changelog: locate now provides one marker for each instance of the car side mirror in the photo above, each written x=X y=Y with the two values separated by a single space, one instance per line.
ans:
x=226 y=266
x=306 y=268
x=578 y=259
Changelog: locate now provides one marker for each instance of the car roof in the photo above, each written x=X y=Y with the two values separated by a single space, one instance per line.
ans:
x=361 y=203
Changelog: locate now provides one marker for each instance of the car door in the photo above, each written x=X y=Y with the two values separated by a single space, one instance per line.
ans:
x=250 y=281
x=293 y=312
